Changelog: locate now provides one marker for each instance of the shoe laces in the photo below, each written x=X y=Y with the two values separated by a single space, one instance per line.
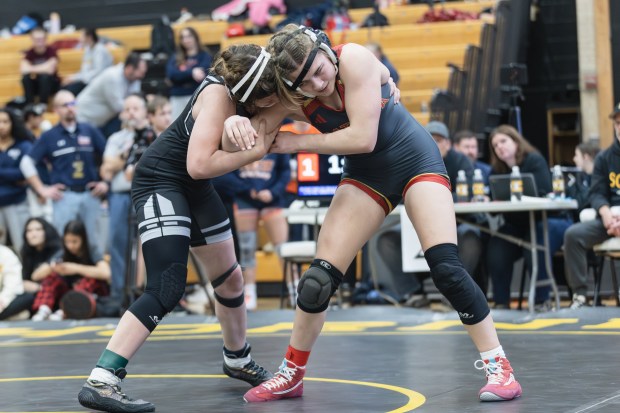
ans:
x=281 y=378
x=494 y=370
x=254 y=368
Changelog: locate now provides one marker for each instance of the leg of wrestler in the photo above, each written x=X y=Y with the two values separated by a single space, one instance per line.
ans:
x=246 y=221
x=425 y=202
x=430 y=208
x=166 y=264
x=216 y=259
x=352 y=218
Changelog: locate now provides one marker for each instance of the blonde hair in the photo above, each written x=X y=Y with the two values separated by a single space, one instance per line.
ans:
x=523 y=148
x=289 y=49
x=234 y=62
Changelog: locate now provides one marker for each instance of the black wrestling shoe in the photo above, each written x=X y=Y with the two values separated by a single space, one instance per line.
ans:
x=251 y=373
x=109 y=398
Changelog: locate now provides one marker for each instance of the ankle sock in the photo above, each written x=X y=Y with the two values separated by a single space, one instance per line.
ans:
x=238 y=358
x=109 y=360
x=297 y=357
x=488 y=355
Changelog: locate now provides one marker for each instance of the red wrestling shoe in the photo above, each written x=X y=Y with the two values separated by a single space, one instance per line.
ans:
x=285 y=384
x=501 y=383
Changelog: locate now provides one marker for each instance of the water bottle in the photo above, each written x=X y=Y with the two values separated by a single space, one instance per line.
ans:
x=558 y=182
x=462 y=189
x=516 y=184
x=478 y=186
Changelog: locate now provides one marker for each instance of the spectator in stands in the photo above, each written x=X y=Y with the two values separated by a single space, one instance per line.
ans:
x=376 y=49
x=454 y=161
x=34 y=120
x=186 y=69
x=469 y=238
x=582 y=236
x=39 y=69
x=263 y=199
x=466 y=142
x=102 y=99
x=578 y=185
x=95 y=59
x=509 y=148
x=75 y=269
x=41 y=243
x=159 y=113
x=14 y=210
x=36 y=125
x=117 y=151
x=11 y=285
x=72 y=150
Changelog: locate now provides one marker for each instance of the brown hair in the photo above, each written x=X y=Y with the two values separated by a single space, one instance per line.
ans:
x=589 y=148
x=181 y=53
x=157 y=102
x=289 y=49
x=234 y=62
x=523 y=148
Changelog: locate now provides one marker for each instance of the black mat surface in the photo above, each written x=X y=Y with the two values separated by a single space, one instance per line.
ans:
x=369 y=359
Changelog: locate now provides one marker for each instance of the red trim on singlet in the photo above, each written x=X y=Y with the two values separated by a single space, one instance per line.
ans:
x=379 y=199
x=440 y=179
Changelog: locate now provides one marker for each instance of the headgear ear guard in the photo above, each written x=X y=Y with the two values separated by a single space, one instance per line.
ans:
x=319 y=44
x=259 y=67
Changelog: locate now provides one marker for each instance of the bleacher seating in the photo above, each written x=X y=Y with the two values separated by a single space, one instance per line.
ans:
x=420 y=52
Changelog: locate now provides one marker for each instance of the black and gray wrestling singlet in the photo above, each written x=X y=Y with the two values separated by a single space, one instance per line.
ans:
x=166 y=199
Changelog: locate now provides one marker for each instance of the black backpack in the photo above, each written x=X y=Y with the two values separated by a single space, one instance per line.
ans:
x=162 y=37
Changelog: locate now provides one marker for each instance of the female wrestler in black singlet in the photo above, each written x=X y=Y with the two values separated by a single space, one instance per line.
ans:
x=389 y=157
x=178 y=208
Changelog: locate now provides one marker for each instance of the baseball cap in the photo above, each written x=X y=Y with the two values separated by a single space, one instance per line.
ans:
x=438 y=128
x=616 y=111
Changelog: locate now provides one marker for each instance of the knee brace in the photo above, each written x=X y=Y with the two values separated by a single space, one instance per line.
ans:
x=453 y=281
x=247 y=249
x=317 y=286
x=227 y=302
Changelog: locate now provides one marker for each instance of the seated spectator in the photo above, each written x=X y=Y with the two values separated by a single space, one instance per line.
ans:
x=263 y=199
x=581 y=237
x=14 y=210
x=102 y=99
x=74 y=269
x=11 y=285
x=375 y=48
x=466 y=143
x=39 y=69
x=41 y=243
x=95 y=59
x=72 y=151
x=186 y=69
x=34 y=120
x=509 y=148
x=159 y=112
x=578 y=186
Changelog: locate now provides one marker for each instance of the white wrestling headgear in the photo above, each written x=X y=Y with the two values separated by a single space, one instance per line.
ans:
x=258 y=67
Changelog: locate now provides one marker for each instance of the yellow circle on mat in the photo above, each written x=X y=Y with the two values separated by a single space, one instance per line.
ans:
x=415 y=399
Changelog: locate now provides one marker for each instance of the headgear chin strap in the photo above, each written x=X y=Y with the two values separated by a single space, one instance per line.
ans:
x=318 y=45
x=258 y=67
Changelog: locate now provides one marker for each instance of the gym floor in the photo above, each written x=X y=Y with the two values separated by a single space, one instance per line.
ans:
x=368 y=359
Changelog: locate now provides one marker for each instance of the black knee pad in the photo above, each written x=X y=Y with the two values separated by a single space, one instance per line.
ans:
x=317 y=286
x=149 y=310
x=227 y=302
x=172 y=286
x=453 y=281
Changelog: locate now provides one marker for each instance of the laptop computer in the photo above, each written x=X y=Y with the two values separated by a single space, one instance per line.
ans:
x=500 y=186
